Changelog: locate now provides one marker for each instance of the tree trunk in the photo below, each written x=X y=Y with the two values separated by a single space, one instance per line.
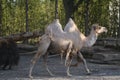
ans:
x=87 y=17
x=69 y=9
x=56 y=9
x=119 y=22
x=0 y=17
x=27 y=28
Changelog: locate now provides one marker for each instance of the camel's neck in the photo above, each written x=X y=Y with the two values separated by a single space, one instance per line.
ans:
x=90 y=40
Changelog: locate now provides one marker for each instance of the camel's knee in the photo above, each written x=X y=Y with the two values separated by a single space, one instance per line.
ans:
x=33 y=61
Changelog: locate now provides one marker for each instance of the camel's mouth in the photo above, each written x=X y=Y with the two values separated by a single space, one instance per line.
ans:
x=105 y=30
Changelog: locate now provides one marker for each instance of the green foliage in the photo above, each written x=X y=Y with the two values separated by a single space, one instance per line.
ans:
x=42 y=12
x=100 y=12
x=13 y=18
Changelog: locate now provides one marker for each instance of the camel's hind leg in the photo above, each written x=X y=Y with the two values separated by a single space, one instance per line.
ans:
x=45 y=63
x=33 y=61
x=44 y=44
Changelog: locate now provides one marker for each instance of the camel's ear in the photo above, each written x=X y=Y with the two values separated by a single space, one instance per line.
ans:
x=94 y=26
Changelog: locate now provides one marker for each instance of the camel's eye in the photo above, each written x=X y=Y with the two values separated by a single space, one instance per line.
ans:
x=99 y=27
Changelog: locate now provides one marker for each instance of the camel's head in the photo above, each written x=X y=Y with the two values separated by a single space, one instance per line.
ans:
x=99 y=29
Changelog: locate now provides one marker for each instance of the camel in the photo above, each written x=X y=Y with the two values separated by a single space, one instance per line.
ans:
x=68 y=42
x=9 y=56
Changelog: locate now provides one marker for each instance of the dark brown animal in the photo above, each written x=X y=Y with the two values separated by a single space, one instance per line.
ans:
x=8 y=54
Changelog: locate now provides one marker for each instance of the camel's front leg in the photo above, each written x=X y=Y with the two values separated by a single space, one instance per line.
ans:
x=84 y=62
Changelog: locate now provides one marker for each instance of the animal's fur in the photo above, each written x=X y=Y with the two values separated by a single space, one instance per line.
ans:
x=8 y=55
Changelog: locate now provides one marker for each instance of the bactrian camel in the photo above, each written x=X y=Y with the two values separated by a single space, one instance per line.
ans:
x=68 y=42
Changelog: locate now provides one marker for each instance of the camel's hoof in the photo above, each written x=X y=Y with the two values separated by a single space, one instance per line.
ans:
x=89 y=73
x=69 y=75
x=31 y=77
x=52 y=75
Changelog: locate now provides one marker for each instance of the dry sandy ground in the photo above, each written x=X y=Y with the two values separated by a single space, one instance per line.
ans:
x=99 y=71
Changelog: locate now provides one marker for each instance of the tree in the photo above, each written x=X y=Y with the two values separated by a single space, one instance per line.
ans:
x=119 y=22
x=87 y=3
x=27 y=27
x=41 y=13
x=0 y=17
x=70 y=7
x=56 y=9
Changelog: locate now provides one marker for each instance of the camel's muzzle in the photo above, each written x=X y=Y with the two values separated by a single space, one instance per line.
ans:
x=105 y=30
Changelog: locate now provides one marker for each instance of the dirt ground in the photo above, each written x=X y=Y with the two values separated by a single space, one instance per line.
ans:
x=99 y=71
